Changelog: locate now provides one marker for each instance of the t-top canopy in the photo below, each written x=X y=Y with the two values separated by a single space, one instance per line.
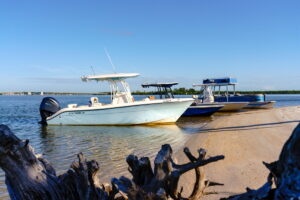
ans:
x=159 y=85
x=220 y=81
x=108 y=77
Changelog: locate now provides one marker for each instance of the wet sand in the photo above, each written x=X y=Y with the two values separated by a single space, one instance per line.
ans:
x=245 y=139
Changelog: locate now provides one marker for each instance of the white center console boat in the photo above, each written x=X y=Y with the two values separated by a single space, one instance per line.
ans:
x=123 y=109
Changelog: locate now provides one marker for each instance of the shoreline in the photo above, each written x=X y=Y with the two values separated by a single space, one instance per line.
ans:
x=246 y=139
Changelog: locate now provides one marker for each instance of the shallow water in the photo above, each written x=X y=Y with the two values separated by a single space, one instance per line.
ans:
x=283 y=100
x=109 y=145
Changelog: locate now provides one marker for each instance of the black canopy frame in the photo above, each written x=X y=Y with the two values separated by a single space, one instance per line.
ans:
x=164 y=89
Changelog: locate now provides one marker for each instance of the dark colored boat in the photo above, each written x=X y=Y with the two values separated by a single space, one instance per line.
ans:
x=202 y=110
x=255 y=100
x=196 y=109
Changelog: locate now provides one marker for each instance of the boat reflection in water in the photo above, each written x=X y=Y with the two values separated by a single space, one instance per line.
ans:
x=109 y=145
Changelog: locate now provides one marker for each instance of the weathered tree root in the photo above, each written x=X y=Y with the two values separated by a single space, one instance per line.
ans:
x=162 y=182
x=29 y=177
x=284 y=174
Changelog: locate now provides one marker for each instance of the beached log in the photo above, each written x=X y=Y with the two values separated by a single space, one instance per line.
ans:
x=162 y=182
x=29 y=176
x=284 y=173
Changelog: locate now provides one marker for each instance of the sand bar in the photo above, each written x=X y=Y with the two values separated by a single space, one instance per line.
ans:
x=246 y=139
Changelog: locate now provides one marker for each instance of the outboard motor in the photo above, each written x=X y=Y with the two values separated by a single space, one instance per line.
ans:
x=48 y=107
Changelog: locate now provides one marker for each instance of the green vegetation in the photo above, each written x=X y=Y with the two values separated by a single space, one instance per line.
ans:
x=177 y=91
x=192 y=91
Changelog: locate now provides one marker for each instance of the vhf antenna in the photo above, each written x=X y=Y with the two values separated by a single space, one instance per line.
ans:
x=110 y=60
x=92 y=68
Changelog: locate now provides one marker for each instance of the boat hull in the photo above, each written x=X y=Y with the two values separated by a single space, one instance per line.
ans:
x=260 y=105
x=241 y=98
x=154 y=112
x=202 y=110
x=256 y=101
x=233 y=106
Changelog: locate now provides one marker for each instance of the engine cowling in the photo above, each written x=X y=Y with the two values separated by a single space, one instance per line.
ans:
x=48 y=107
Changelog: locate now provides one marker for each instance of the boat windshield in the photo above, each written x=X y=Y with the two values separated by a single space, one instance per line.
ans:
x=164 y=90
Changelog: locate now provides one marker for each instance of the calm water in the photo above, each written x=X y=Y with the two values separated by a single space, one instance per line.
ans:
x=283 y=100
x=109 y=145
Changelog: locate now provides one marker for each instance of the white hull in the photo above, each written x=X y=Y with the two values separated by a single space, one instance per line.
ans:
x=263 y=105
x=140 y=112
x=232 y=106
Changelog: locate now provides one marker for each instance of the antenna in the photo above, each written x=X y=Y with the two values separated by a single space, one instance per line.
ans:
x=92 y=68
x=110 y=60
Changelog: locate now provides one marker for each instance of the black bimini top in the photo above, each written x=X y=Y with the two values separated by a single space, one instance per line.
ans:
x=162 y=85
x=163 y=89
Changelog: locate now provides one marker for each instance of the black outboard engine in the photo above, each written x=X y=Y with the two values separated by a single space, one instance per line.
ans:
x=48 y=107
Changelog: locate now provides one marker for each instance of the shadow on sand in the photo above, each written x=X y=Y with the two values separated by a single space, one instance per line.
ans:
x=246 y=127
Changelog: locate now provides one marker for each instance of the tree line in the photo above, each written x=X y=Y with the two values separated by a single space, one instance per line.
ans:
x=192 y=91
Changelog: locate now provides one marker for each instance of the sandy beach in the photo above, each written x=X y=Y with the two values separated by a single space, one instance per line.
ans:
x=245 y=139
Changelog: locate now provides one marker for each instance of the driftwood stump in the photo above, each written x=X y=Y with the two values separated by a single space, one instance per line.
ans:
x=162 y=182
x=284 y=174
x=31 y=177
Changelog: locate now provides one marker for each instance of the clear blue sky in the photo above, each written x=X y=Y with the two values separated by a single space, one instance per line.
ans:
x=49 y=45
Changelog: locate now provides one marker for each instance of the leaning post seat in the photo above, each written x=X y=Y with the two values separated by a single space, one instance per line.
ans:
x=94 y=101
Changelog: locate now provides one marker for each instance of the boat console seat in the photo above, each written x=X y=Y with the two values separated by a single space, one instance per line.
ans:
x=94 y=101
